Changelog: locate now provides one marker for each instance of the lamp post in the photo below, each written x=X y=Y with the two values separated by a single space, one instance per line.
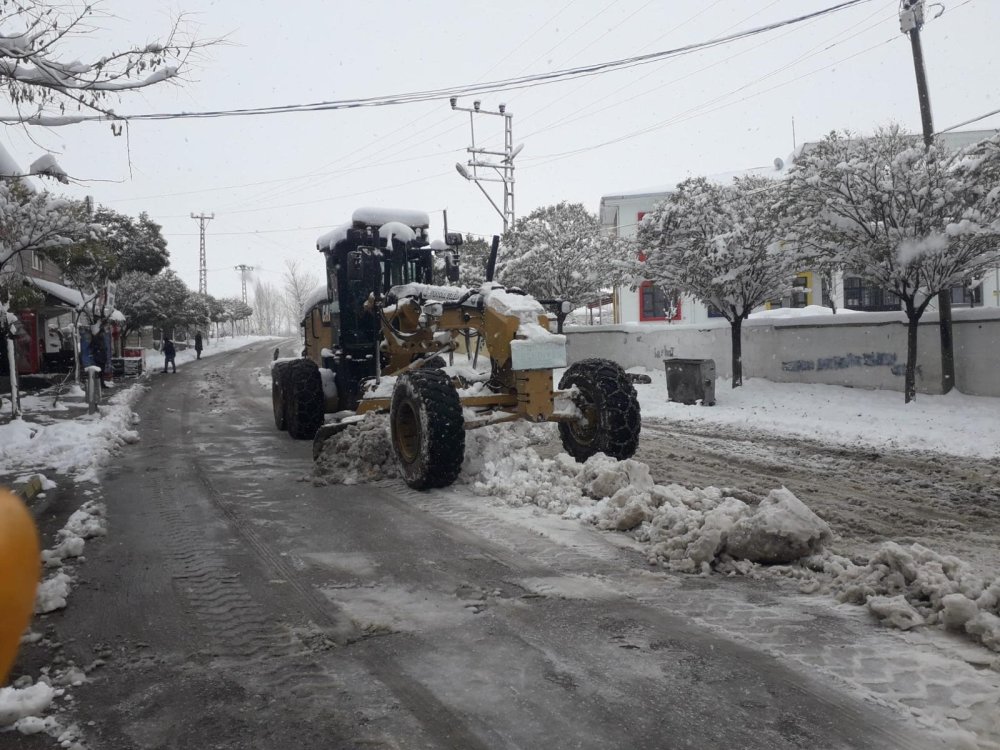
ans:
x=479 y=159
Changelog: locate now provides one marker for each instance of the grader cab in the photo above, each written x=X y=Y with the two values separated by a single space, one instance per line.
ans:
x=380 y=338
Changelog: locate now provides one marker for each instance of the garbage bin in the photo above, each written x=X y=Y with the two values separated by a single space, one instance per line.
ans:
x=690 y=381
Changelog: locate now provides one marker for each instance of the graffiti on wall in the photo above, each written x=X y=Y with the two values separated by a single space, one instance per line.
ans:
x=868 y=359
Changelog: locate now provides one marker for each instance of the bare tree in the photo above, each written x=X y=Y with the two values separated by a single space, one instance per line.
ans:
x=43 y=81
x=268 y=309
x=299 y=286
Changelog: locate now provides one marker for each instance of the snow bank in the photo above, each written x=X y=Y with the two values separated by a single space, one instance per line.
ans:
x=914 y=585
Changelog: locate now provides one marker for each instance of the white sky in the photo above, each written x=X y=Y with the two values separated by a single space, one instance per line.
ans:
x=725 y=109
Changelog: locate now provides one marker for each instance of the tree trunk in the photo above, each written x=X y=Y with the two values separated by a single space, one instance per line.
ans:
x=737 y=330
x=947 y=343
x=15 y=396
x=910 y=382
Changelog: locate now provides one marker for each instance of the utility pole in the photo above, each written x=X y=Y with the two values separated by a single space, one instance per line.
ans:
x=911 y=20
x=478 y=159
x=244 y=270
x=203 y=219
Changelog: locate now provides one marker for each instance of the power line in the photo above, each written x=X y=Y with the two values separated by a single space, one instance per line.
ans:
x=968 y=122
x=507 y=84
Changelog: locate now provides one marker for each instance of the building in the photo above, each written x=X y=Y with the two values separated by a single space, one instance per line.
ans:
x=620 y=214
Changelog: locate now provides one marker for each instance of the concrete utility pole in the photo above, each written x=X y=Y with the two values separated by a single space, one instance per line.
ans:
x=203 y=219
x=911 y=20
x=244 y=270
x=477 y=160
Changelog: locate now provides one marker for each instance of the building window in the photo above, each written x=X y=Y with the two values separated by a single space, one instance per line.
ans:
x=655 y=305
x=967 y=296
x=714 y=312
x=36 y=260
x=862 y=295
x=800 y=292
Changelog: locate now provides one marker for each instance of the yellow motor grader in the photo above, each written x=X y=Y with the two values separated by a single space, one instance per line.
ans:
x=376 y=339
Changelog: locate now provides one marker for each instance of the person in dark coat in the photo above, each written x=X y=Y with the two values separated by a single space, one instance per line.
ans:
x=169 y=355
x=99 y=351
x=197 y=343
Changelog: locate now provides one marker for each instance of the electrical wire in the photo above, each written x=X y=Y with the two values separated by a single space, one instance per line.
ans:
x=515 y=83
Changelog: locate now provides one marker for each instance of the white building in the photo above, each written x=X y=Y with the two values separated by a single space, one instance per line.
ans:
x=621 y=212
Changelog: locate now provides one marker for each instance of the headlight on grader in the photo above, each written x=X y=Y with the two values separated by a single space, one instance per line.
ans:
x=430 y=314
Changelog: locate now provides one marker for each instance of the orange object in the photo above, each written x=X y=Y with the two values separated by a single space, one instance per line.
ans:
x=21 y=566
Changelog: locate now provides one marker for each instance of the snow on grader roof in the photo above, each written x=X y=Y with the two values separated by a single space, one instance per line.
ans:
x=318 y=295
x=401 y=222
x=331 y=238
x=376 y=217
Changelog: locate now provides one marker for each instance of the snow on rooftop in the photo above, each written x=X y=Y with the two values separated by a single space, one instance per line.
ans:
x=378 y=216
x=67 y=294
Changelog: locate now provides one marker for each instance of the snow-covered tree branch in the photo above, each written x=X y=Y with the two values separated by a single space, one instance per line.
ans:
x=43 y=81
x=559 y=252
x=721 y=244
x=912 y=220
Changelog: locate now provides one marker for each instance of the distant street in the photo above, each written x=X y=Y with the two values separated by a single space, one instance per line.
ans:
x=239 y=605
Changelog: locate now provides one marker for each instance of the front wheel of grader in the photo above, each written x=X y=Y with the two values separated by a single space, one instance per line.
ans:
x=610 y=420
x=428 y=431
x=304 y=399
x=279 y=386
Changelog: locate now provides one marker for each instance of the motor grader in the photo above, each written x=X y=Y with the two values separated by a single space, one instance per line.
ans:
x=381 y=335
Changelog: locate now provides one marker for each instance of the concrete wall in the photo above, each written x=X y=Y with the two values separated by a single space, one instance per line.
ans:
x=864 y=350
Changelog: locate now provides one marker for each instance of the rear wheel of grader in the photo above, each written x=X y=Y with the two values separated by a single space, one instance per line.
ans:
x=279 y=384
x=428 y=432
x=304 y=399
x=611 y=420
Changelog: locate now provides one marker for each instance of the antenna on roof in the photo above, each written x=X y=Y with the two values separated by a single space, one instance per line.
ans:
x=794 y=145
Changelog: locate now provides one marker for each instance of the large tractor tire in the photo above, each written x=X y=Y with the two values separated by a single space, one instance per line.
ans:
x=304 y=399
x=279 y=386
x=611 y=420
x=428 y=432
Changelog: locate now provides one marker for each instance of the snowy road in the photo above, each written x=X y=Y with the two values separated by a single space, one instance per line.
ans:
x=237 y=604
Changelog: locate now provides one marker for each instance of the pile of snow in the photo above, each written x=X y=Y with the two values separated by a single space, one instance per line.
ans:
x=22 y=704
x=86 y=522
x=685 y=529
x=696 y=530
x=913 y=585
x=17 y=703
x=799 y=312
x=361 y=452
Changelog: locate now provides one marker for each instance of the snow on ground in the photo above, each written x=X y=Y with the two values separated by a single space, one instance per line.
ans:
x=954 y=424
x=699 y=530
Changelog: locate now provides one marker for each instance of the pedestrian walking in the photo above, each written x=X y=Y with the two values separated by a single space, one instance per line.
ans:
x=197 y=343
x=99 y=351
x=169 y=355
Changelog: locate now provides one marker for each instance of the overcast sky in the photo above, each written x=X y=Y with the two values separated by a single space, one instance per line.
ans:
x=276 y=182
